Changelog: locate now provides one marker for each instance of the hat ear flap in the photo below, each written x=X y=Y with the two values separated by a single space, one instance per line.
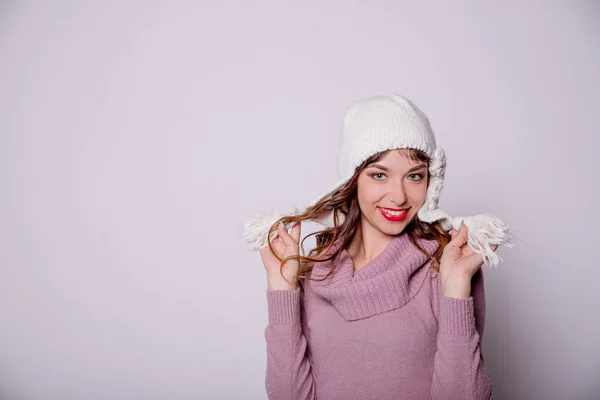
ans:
x=328 y=220
x=430 y=212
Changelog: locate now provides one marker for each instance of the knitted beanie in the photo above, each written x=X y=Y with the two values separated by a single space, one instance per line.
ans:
x=382 y=123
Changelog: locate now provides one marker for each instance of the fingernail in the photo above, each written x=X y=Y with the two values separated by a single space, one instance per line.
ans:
x=282 y=225
x=461 y=224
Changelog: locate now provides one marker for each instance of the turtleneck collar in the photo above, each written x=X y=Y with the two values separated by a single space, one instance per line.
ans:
x=387 y=282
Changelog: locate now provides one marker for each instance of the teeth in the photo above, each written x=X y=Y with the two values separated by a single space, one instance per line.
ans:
x=394 y=212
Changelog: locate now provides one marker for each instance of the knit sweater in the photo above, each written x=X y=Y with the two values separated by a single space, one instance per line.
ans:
x=382 y=332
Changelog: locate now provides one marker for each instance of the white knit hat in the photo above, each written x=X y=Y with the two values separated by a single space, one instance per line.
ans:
x=383 y=123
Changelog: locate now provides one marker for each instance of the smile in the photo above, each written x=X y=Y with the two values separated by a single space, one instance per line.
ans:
x=392 y=215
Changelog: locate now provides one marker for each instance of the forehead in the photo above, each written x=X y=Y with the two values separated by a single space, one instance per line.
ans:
x=399 y=158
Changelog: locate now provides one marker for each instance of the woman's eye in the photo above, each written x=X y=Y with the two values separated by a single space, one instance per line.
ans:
x=418 y=177
x=375 y=175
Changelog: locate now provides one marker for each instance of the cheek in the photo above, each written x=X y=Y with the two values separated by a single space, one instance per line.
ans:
x=419 y=194
x=369 y=193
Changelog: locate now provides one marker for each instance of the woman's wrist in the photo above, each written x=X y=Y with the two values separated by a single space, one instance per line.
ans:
x=457 y=287
x=278 y=283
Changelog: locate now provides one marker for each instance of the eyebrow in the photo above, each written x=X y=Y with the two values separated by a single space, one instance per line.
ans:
x=383 y=167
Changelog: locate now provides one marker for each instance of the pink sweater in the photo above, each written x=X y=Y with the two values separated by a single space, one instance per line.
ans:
x=382 y=332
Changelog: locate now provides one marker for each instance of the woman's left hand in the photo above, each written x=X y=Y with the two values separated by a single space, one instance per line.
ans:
x=458 y=264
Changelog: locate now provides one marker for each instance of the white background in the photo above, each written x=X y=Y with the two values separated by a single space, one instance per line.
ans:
x=135 y=137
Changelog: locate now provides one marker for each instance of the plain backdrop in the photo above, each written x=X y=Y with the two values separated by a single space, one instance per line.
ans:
x=136 y=137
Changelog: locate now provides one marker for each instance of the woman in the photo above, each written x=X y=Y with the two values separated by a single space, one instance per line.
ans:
x=389 y=305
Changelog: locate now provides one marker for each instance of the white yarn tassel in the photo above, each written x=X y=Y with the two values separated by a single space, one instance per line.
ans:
x=256 y=228
x=485 y=230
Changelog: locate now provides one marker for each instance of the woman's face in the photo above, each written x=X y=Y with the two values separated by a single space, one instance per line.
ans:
x=391 y=191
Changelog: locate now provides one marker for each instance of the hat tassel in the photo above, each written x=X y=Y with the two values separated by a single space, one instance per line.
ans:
x=485 y=230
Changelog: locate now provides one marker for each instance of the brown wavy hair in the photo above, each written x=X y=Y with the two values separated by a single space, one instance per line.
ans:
x=344 y=200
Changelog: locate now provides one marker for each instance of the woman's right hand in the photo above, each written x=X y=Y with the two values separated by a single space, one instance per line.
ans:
x=285 y=245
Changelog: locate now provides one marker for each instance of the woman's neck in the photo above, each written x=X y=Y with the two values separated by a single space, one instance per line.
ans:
x=367 y=244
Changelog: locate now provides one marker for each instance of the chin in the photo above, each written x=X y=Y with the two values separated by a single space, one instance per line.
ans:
x=394 y=229
x=397 y=228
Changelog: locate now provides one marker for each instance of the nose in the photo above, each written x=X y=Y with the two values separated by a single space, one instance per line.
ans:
x=397 y=193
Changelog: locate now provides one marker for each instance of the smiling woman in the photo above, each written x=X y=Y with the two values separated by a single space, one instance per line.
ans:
x=397 y=193
x=390 y=303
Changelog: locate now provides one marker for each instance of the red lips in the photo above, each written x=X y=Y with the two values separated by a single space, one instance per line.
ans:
x=394 y=218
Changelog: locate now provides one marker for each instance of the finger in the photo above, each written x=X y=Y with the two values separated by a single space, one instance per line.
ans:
x=453 y=233
x=494 y=247
x=296 y=231
x=285 y=237
x=460 y=238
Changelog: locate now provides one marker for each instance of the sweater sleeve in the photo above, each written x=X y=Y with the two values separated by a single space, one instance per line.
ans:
x=459 y=369
x=289 y=372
